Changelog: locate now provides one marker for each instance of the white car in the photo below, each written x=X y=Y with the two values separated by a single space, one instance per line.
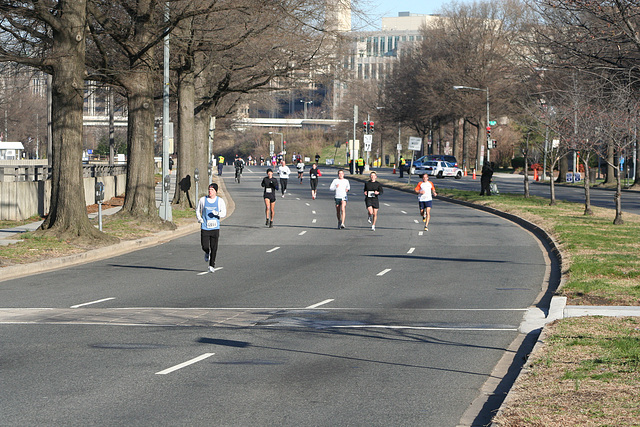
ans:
x=439 y=169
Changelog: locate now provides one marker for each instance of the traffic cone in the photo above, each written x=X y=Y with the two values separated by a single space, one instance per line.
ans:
x=535 y=174
x=394 y=168
x=465 y=171
x=474 y=174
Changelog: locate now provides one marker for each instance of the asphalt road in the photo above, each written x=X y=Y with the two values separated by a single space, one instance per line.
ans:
x=301 y=324
x=508 y=183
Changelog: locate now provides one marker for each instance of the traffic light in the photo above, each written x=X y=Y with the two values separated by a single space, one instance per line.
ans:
x=370 y=127
x=488 y=131
x=365 y=127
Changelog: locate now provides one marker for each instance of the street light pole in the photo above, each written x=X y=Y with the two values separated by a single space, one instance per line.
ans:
x=281 y=140
x=478 y=157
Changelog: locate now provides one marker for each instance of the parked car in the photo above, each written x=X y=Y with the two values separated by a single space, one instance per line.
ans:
x=419 y=162
x=439 y=169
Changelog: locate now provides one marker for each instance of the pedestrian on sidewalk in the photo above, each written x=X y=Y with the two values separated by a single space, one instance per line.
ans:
x=341 y=187
x=210 y=210
x=372 y=189
x=426 y=191
x=270 y=185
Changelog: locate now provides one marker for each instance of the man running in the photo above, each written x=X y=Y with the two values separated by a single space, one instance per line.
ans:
x=239 y=165
x=209 y=211
x=341 y=186
x=426 y=191
x=372 y=189
x=314 y=173
x=270 y=185
x=283 y=173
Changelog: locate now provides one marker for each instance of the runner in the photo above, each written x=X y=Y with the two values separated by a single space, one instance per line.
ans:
x=283 y=173
x=341 y=186
x=300 y=168
x=425 y=190
x=239 y=165
x=372 y=189
x=314 y=173
x=209 y=211
x=270 y=185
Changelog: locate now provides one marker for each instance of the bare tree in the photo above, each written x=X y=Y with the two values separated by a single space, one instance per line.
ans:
x=50 y=36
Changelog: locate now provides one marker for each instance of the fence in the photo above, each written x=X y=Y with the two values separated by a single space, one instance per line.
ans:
x=25 y=188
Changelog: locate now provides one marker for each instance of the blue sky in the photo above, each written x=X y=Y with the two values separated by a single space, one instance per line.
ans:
x=380 y=8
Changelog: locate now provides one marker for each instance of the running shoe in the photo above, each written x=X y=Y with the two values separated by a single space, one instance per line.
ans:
x=267 y=223
x=424 y=218
x=211 y=269
x=206 y=257
x=339 y=224
x=425 y=228
x=270 y=224
x=373 y=228
x=342 y=225
x=369 y=219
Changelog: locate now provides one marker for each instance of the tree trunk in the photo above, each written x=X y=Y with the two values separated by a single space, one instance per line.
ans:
x=611 y=170
x=587 y=188
x=465 y=144
x=563 y=168
x=636 y=168
x=618 y=201
x=185 y=190
x=68 y=214
x=526 y=174
x=140 y=199
x=552 y=187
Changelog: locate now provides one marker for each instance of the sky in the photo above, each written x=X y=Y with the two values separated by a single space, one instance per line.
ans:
x=380 y=8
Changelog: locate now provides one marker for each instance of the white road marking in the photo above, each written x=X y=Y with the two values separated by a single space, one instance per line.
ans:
x=274 y=249
x=420 y=233
x=313 y=221
x=424 y=328
x=92 y=302
x=187 y=363
x=415 y=220
x=410 y=251
x=302 y=233
x=297 y=198
x=383 y=272
x=404 y=212
x=207 y=272
x=386 y=204
x=313 y=212
x=307 y=204
x=327 y=301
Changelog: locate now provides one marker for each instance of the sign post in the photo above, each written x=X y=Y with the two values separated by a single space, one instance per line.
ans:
x=415 y=144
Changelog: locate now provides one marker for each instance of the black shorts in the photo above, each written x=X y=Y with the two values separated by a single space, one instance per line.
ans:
x=314 y=183
x=270 y=196
x=372 y=201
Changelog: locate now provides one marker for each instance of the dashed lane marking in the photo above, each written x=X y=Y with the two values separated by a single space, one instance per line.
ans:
x=273 y=249
x=92 y=302
x=185 y=364
x=410 y=251
x=327 y=301
x=383 y=272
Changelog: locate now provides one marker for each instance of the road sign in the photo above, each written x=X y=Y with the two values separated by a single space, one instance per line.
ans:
x=399 y=147
x=492 y=122
x=415 y=143
x=368 y=140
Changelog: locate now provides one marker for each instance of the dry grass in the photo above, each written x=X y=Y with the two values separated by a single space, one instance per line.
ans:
x=585 y=374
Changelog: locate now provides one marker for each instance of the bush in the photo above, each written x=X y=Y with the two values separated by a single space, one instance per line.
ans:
x=517 y=162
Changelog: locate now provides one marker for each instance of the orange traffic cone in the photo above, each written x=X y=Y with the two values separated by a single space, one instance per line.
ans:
x=394 y=168
x=474 y=174
x=535 y=174
x=465 y=171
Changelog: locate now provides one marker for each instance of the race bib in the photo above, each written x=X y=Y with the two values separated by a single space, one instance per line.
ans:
x=212 y=223
x=371 y=194
x=268 y=190
x=314 y=177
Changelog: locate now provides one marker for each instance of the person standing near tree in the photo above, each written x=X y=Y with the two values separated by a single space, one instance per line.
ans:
x=372 y=189
x=341 y=187
x=210 y=210
x=426 y=191
x=485 y=179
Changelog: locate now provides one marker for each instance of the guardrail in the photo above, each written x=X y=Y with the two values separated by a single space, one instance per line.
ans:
x=34 y=173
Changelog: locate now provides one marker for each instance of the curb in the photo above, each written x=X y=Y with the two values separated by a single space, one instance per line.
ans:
x=123 y=247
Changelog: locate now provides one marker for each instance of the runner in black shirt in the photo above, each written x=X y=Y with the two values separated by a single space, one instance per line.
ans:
x=314 y=173
x=270 y=185
x=372 y=189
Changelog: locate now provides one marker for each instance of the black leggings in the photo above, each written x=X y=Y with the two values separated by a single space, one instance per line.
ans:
x=283 y=184
x=209 y=241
